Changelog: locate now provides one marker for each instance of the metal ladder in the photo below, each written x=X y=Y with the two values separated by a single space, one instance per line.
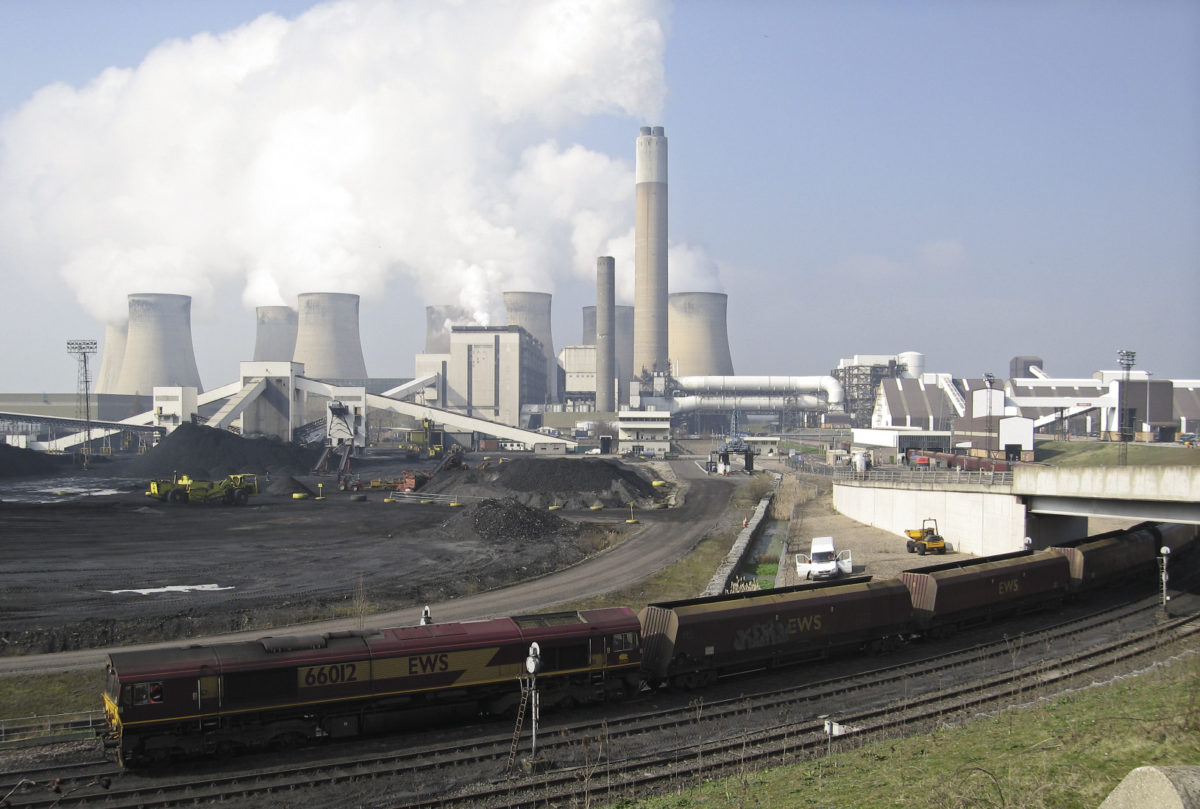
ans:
x=516 y=740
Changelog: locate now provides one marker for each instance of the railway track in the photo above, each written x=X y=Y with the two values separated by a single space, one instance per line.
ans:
x=633 y=753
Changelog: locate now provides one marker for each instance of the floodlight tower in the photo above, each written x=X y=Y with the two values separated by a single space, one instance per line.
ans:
x=82 y=349
x=1126 y=358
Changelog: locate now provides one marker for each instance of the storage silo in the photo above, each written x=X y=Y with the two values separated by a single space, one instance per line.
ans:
x=650 y=252
x=606 y=347
x=158 y=345
x=438 y=322
x=914 y=364
x=699 y=336
x=531 y=311
x=111 y=357
x=327 y=336
x=275 y=336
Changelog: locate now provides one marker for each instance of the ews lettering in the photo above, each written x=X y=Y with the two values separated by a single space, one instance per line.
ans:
x=428 y=664
x=1009 y=586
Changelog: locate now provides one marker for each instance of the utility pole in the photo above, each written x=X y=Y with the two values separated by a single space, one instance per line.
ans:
x=82 y=349
x=1126 y=358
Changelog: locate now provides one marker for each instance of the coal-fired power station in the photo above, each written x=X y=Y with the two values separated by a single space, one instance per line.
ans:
x=650 y=253
x=327 y=336
x=158 y=345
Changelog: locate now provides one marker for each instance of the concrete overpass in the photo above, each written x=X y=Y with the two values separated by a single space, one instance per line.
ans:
x=984 y=513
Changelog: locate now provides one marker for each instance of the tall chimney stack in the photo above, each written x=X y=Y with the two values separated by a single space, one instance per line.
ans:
x=606 y=322
x=327 y=336
x=650 y=253
x=158 y=345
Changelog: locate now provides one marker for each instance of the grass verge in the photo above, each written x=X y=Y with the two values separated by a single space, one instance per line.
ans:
x=1063 y=751
x=1107 y=453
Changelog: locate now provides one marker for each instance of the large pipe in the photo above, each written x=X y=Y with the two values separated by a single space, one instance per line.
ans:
x=606 y=323
x=327 y=336
x=650 y=253
x=158 y=345
x=531 y=311
x=698 y=336
x=764 y=384
x=687 y=404
x=275 y=336
x=111 y=357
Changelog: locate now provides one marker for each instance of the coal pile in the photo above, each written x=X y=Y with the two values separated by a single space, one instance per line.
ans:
x=509 y=520
x=573 y=483
x=206 y=453
x=18 y=462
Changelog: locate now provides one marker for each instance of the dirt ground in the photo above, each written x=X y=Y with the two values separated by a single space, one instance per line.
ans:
x=90 y=561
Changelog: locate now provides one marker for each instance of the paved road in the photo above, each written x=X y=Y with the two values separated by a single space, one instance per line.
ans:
x=666 y=537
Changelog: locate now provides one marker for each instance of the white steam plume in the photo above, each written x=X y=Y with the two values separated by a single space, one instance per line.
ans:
x=359 y=141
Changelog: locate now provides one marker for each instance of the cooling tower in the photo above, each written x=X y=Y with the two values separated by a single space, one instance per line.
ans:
x=699 y=338
x=158 y=345
x=531 y=311
x=327 y=339
x=650 y=253
x=275 y=337
x=589 y=326
x=438 y=321
x=606 y=346
x=111 y=357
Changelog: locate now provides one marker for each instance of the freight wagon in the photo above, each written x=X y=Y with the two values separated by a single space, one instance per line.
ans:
x=286 y=691
x=955 y=594
x=690 y=643
x=1117 y=557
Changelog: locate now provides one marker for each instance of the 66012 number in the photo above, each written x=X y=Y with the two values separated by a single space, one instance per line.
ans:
x=333 y=674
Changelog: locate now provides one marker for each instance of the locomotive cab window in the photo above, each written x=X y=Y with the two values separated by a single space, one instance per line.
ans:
x=146 y=693
x=623 y=642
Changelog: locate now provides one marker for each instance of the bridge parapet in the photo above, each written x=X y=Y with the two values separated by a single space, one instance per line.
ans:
x=1143 y=483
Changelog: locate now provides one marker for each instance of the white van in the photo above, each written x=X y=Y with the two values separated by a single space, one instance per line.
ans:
x=823 y=562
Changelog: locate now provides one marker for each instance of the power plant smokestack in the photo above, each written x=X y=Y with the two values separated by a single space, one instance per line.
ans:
x=327 y=337
x=531 y=311
x=650 y=253
x=438 y=321
x=112 y=357
x=275 y=337
x=699 y=337
x=606 y=346
x=158 y=345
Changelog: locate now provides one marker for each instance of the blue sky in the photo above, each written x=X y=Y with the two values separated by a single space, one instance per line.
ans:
x=972 y=181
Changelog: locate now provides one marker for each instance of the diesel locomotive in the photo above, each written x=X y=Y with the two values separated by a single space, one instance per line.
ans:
x=292 y=690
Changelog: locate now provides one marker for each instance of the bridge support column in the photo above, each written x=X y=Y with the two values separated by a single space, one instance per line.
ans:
x=1049 y=529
